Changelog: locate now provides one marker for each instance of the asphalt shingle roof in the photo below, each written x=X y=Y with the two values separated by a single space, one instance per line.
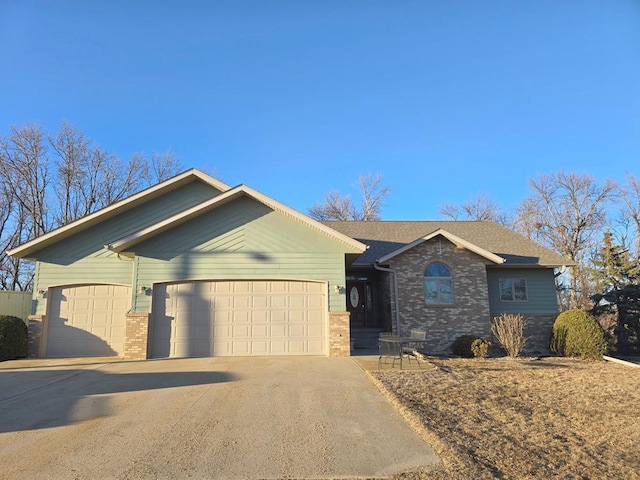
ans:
x=384 y=237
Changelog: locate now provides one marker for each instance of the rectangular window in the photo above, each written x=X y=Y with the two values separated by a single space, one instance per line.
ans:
x=438 y=291
x=513 y=290
x=431 y=291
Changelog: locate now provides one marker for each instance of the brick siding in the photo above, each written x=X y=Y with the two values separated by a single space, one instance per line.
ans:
x=137 y=336
x=34 y=335
x=339 y=336
x=443 y=323
x=537 y=331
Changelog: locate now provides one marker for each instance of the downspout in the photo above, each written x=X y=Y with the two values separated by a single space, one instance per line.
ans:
x=395 y=291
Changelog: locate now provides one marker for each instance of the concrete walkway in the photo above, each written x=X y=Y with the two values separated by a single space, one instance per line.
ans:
x=298 y=417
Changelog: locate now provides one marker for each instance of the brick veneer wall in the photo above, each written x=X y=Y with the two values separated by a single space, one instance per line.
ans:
x=339 y=335
x=537 y=331
x=34 y=335
x=137 y=336
x=443 y=323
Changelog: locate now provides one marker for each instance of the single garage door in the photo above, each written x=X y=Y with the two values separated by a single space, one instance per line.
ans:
x=87 y=320
x=243 y=318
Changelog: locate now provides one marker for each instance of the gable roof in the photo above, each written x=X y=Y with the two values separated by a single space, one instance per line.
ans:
x=453 y=239
x=54 y=236
x=389 y=238
x=124 y=243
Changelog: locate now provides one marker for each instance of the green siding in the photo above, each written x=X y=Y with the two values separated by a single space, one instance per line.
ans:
x=242 y=266
x=88 y=270
x=241 y=240
x=91 y=242
x=242 y=225
x=541 y=291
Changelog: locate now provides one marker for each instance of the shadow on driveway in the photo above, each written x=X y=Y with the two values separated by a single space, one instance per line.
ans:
x=36 y=399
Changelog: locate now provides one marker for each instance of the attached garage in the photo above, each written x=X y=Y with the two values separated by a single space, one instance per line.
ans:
x=87 y=320
x=190 y=267
x=243 y=318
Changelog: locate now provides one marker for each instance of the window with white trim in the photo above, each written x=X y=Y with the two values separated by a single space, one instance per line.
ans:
x=438 y=284
x=513 y=290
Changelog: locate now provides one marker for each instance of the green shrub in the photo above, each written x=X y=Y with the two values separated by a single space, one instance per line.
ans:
x=13 y=338
x=461 y=346
x=575 y=333
x=480 y=348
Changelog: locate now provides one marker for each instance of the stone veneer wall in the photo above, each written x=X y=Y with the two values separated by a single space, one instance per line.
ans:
x=34 y=335
x=442 y=323
x=137 y=336
x=339 y=334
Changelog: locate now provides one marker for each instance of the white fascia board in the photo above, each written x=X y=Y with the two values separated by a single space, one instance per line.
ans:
x=453 y=239
x=62 y=232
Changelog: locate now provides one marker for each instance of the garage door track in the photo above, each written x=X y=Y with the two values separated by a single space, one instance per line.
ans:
x=249 y=418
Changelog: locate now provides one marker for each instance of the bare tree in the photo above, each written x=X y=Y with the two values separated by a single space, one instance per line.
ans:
x=630 y=215
x=120 y=179
x=50 y=180
x=482 y=208
x=163 y=166
x=335 y=207
x=88 y=178
x=24 y=168
x=566 y=212
x=373 y=192
x=72 y=167
x=341 y=207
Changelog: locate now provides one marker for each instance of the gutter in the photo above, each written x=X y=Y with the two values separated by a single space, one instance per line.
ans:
x=395 y=291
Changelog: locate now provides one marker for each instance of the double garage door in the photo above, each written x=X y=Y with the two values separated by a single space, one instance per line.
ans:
x=244 y=318
x=192 y=319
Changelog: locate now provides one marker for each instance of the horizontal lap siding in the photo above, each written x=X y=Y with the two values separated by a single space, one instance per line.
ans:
x=541 y=291
x=242 y=266
x=82 y=258
x=91 y=242
x=241 y=240
x=85 y=271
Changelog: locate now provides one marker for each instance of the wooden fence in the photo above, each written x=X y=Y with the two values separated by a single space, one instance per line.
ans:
x=17 y=304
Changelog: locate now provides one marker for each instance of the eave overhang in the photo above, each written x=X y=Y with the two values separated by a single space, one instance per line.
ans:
x=50 y=238
x=126 y=243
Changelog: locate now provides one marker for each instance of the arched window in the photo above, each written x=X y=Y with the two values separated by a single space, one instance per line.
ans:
x=438 y=284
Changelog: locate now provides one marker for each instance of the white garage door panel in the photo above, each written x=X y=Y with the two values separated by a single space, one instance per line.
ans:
x=87 y=320
x=225 y=318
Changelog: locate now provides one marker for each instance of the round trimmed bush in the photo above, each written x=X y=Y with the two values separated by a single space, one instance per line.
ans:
x=575 y=333
x=461 y=346
x=13 y=338
x=480 y=348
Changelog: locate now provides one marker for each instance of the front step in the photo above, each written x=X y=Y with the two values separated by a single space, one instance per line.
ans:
x=365 y=338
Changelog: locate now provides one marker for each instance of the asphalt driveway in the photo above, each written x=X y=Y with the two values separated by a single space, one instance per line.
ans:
x=297 y=417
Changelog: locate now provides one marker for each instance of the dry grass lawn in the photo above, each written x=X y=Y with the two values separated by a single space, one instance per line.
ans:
x=552 y=418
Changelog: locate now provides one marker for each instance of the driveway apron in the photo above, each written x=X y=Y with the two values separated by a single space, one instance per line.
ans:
x=233 y=418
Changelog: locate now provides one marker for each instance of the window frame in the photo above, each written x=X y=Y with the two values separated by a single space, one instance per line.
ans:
x=438 y=282
x=514 y=298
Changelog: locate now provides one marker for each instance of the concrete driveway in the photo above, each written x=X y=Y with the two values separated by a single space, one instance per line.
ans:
x=249 y=418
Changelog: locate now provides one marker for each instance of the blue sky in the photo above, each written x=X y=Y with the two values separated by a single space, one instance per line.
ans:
x=446 y=99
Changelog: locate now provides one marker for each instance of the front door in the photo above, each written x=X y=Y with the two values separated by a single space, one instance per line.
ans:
x=359 y=303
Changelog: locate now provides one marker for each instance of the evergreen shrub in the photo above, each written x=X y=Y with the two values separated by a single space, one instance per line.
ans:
x=575 y=333
x=461 y=346
x=480 y=348
x=13 y=338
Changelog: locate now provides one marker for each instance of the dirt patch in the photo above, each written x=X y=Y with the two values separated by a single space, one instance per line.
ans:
x=522 y=419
